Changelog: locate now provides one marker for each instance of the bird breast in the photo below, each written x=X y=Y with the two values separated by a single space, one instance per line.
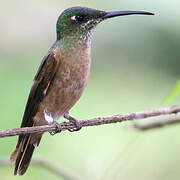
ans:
x=67 y=86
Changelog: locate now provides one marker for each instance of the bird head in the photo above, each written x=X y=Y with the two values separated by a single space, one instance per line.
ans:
x=81 y=20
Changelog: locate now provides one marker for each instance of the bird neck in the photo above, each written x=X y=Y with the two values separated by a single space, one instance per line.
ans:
x=71 y=44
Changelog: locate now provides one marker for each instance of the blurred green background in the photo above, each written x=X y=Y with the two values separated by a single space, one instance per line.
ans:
x=135 y=63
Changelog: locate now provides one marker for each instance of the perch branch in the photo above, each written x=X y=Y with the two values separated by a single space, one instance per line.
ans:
x=92 y=122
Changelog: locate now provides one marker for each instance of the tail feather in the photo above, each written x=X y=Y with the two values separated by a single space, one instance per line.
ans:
x=23 y=154
x=22 y=165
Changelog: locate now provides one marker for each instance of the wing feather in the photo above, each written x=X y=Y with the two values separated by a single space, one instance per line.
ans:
x=42 y=82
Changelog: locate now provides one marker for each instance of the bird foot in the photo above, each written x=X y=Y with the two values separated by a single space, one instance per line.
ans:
x=59 y=128
x=74 y=121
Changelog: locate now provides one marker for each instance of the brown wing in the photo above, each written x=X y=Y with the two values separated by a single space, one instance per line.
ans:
x=42 y=82
x=40 y=87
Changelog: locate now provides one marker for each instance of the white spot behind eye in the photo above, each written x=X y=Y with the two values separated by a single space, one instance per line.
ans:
x=73 y=18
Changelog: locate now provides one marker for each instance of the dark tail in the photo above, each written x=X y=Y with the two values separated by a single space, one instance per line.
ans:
x=23 y=153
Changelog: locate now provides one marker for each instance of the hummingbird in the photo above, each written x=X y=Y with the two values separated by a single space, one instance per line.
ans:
x=61 y=78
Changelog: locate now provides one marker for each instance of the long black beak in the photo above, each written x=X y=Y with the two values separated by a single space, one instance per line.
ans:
x=124 y=13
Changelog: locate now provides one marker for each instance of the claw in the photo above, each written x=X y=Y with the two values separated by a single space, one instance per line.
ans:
x=59 y=128
x=76 y=128
x=74 y=121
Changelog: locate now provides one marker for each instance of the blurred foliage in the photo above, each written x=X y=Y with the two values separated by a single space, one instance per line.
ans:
x=173 y=95
x=135 y=65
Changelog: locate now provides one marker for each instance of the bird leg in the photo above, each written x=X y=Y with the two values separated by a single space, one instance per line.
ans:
x=74 y=121
x=59 y=128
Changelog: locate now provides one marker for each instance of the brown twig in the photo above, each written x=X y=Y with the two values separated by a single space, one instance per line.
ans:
x=158 y=123
x=55 y=169
x=93 y=122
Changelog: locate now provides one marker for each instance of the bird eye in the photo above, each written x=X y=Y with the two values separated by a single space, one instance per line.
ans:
x=78 y=18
